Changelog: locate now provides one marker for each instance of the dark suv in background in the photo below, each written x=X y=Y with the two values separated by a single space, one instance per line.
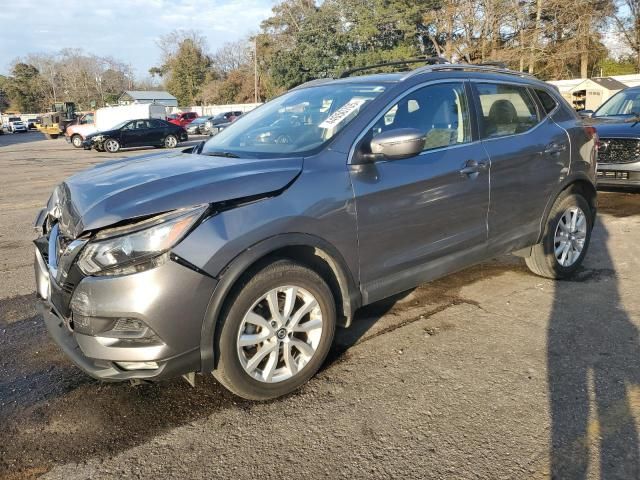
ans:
x=241 y=255
x=617 y=122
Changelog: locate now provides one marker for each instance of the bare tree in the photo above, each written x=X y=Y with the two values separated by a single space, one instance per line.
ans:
x=627 y=22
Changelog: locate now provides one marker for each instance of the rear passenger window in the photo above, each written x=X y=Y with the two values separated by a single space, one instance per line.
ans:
x=547 y=101
x=440 y=110
x=506 y=110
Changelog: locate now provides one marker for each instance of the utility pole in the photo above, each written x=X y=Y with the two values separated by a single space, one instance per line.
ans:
x=255 y=69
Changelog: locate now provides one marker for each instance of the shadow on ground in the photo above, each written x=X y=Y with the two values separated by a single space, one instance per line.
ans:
x=593 y=363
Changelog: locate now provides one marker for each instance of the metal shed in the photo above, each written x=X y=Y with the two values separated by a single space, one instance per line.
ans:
x=147 y=96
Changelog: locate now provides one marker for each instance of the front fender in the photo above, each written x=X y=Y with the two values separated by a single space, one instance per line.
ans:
x=236 y=268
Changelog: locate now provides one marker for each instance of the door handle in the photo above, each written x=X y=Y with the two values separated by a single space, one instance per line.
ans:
x=554 y=148
x=472 y=167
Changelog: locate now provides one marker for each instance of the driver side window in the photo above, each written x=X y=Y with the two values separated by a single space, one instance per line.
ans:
x=441 y=111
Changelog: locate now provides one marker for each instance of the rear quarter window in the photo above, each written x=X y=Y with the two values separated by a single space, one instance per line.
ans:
x=547 y=101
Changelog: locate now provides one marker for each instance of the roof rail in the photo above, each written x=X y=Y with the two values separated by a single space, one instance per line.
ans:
x=429 y=60
x=489 y=67
x=493 y=64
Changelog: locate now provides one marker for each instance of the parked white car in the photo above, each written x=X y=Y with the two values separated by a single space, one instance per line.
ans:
x=15 y=125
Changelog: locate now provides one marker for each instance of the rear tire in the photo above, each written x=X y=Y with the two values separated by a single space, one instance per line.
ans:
x=296 y=348
x=566 y=238
x=76 y=141
x=170 y=141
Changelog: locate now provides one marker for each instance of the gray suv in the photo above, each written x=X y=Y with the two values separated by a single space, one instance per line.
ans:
x=241 y=255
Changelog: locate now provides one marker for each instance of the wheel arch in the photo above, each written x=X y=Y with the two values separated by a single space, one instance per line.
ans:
x=581 y=184
x=308 y=250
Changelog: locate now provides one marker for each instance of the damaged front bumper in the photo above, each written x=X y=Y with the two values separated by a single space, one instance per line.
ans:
x=145 y=325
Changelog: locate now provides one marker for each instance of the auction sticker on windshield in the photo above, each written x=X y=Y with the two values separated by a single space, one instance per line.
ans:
x=342 y=113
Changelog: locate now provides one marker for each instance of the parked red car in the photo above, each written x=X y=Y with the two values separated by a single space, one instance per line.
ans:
x=182 y=119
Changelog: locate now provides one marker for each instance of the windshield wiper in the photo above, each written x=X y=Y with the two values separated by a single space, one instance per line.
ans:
x=221 y=154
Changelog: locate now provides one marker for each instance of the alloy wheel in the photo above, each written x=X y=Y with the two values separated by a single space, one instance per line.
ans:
x=111 y=145
x=279 y=334
x=170 y=141
x=570 y=236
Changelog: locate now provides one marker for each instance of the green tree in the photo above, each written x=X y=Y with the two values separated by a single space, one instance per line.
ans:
x=4 y=99
x=185 y=68
x=24 y=88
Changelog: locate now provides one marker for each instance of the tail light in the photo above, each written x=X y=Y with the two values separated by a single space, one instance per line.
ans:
x=592 y=134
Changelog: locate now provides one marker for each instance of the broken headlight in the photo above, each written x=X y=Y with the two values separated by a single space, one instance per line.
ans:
x=136 y=247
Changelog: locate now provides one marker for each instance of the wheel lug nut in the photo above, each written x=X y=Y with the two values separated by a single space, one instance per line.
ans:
x=273 y=323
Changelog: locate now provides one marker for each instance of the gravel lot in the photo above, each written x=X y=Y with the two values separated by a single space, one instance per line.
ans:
x=490 y=373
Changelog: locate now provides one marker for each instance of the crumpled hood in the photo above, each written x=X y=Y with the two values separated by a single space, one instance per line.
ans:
x=152 y=184
x=608 y=127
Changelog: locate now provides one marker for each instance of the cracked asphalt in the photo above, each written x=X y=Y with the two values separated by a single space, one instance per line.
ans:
x=490 y=373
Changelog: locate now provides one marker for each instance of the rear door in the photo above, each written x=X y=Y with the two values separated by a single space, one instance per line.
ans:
x=529 y=156
x=157 y=131
x=421 y=217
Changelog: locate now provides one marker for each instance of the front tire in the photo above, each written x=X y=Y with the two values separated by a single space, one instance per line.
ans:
x=111 y=145
x=76 y=141
x=566 y=238
x=277 y=328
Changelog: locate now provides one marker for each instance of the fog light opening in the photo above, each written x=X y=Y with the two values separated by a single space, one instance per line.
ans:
x=137 y=365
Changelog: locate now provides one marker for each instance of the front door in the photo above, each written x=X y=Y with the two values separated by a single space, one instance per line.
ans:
x=421 y=217
x=137 y=134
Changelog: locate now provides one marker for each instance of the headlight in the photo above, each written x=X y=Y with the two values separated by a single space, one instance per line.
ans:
x=134 y=248
x=97 y=138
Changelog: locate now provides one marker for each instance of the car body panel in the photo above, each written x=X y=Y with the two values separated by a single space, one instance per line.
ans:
x=138 y=187
x=523 y=176
x=414 y=211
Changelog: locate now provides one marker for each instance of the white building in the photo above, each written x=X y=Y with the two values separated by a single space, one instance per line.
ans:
x=147 y=96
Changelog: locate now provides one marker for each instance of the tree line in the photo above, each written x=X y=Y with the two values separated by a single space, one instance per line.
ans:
x=39 y=80
x=306 y=39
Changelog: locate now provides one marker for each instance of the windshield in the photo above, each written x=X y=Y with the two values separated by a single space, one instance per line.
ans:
x=296 y=122
x=199 y=120
x=625 y=102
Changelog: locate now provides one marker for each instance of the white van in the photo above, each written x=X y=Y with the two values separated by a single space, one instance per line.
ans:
x=107 y=117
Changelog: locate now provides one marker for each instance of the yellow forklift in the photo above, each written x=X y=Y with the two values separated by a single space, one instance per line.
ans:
x=54 y=123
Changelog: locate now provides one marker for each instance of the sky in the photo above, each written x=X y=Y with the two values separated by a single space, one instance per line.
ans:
x=124 y=29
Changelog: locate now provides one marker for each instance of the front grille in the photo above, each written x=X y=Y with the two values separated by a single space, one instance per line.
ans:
x=619 y=150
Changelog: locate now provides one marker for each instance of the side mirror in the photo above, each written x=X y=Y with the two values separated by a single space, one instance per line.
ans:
x=196 y=149
x=586 y=113
x=395 y=145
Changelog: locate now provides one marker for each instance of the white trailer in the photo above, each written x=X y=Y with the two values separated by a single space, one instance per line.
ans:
x=108 y=117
